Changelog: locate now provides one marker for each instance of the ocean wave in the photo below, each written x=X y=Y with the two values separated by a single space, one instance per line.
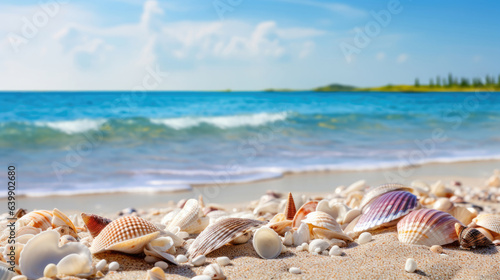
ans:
x=74 y=126
x=223 y=122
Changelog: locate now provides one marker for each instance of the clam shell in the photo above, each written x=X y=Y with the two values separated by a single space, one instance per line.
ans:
x=220 y=233
x=427 y=227
x=95 y=223
x=267 y=243
x=303 y=211
x=60 y=219
x=128 y=234
x=384 y=211
x=290 y=210
x=471 y=237
x=380 y=190
x=490 y=222
x=43 y=249
x=41 y=219
x=188 y=215
x=322 y=220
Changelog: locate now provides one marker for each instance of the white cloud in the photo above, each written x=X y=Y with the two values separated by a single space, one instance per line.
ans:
x=402 y=58
x=337 y=8
x=380 y=56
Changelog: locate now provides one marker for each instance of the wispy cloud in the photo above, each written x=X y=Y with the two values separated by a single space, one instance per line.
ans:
x=402 y=58
x=338 y=8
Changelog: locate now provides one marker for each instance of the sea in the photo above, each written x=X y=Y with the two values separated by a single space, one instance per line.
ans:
x=67 y=143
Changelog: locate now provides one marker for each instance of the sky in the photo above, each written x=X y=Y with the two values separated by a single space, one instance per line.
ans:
x=242 y=44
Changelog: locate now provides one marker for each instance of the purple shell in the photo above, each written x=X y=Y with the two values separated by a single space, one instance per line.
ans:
x=385 y=209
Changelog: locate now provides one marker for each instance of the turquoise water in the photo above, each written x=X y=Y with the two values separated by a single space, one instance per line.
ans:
x=85 y=142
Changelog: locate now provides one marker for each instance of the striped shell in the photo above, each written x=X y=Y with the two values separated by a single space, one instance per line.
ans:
x=95 y=223
x=490 y=222
x=219 y=234
x=188 y=215
x=60 y=219
x=380 y=190
x=41 y=219
x=303 y=211
x=384 y=211
x=128 y=234
x=322 y=220
x=290 y=210
x=471 y=237
x=427 y=227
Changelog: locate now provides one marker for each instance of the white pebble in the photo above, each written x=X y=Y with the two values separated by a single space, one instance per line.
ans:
x=202 y=277
x=50 y=271
x=199 y=260
x=19 y=277
x=113 y=266
x=335 y=251
x=364 y=238
x=295 y=270
x=317 y=250
x=161 y=264
x=443 y=255
x=411 y=265
x=325 y=253
x=299 y=248
x=100 y=265
x=284 y=249
x=223 y=261
x=305 y=246
x=181 y=259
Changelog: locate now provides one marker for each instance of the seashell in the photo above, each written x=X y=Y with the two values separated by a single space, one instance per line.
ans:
x=41 y=219
x=199 y=260
x=280 y=217
x=288 y=240
x=66 y=230
x=170 y=216
x=462 y=214
x=101 y=264
x=223 y=261
x=18 y=248
x=188 y=215
x=66 y=239
x=128 y=234
x=491 y=222
x=158 y=249
x=318 y=244
x=335 y=209
x=220 y=233
x=267 y=243
x=335 y=251
x=436 y=249
x=443 y=204
x=17 y=277
x=6 y=274
x=302 y=235
x=351 y=215
x=322 y=220
x=494 y=180
x=303 y=211
x=156 y=273
x=471 y=237
x=281 y=227
x=94 y=223
x=384 y=211
x=50 y=270
x=356 y=186
x=242 y=239
x=60 y=219
x=337 y=242
x=267 y=207
x=28 y=230
x=411 y=265
x=290 y=209
x=161 y=264
x=181 y=259
x=420 y=187
x=113 y=266
x=380 y=190
x=20 y=213
x=43 y=249
x=427 y=227
x=197 y=226
x=23 y=239
x=353 y=200
x=214 y=271
x=201 y=277
x=440 y=190
x=74 y=264
x=365 y=237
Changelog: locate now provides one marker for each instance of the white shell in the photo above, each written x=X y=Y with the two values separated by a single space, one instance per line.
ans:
x=201 y=277
x=214 y=271
x=74 y=264
x=170 y=216
x=335 y=251
x=43 y=249
x=267 y=207
x=100 y=265
x=318 y=244
x=18 y=277
x=181 y=259
x=199 y=260
x=156 y=273
x=288 y=239
x=267 y=243
x=6 y=274
x=113 y=266
x=411 y=265
x=161 y=264
x=295 y=270
x=50 y=271
x=301 y=235
x=189 y=214
x=364 y=238
x=223 y=261
x=158 y=252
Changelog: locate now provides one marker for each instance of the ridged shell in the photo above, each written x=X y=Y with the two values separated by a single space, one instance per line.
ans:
x=319 y=219
x=95 y=223
x=380 y=190
x=128 y=234
x=290 y=210
x=189 y=214
x=384 y=210
x=281 y=227
x=471 y=237
x=490 y=222
x=60 y=219
x=427 y=227
x=303 y=211
x=219 y=234
x=41 y=219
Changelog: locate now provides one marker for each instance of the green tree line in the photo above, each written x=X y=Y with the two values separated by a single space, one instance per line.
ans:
x=452 y=81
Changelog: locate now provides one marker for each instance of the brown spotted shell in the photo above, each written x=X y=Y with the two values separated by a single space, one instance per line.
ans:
x=128 y=234
x=471 y=237
x=95 y=223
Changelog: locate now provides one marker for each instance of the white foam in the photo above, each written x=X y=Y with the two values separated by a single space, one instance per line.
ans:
x=223 y=121
x=74 y=126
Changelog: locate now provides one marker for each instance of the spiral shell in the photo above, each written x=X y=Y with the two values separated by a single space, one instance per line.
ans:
x=380 y=190
x=128 y=234
x=290 y=210
x=471 y=237
x=95 y=223
x=219 y=234
x=427 y=227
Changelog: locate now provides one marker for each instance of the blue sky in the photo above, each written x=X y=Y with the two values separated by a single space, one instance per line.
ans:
x=242 y=44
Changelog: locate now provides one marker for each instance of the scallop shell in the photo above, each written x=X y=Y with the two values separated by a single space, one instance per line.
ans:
x=490 y=222
x=471 y=237
x=384 y=211
x=303 y=211
x=41 y=219
x=43 y=249
x=322 y=220
x=188 y=215
x=280 y=217
x=60 y=219
x=128 y=234
x=462 y=214
x=220 y=233
x=380 y=190
x=197 y=225
x=427 y=227
x=95 y=223
x=267 y=243
x=290 y=210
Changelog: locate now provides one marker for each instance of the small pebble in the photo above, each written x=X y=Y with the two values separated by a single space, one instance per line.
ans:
x=199 y=260
x=325 y=253
x=100 y=265
x=295 y=270
x=436 y=249
x=317 y=250
x=364 y=238
x=305 y=246
x=181 y=259
x=335 y=251
x=411 y=265
x=161 y=264
x=223 y=261
x=19 y=277
x=113 y=266
x=50 y=271
x=443 y=255
x=299 y=248
x=284 y=249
